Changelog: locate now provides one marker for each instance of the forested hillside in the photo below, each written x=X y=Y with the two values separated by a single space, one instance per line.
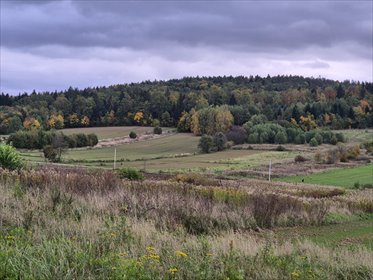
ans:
x=304 y=102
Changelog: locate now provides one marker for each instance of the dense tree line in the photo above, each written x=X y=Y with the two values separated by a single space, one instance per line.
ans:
x=307 y=103
x=38 y=139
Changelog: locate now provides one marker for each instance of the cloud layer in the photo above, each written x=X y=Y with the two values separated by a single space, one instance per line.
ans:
x=50 y=45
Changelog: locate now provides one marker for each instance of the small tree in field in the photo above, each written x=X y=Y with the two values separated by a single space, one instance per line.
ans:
x=220 y=141
x=157 y=130
x=206 y=144
x=133 y=135
x=10 y=158
x=313 y=142
x=50 y=153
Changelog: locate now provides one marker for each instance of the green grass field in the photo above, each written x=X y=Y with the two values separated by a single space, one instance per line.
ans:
x=111 y=132
x=358 y=232
x=345 y=177
x=357 y=135
x=176 y=152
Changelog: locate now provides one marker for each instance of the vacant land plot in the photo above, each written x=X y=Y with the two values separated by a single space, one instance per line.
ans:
x=345 y=177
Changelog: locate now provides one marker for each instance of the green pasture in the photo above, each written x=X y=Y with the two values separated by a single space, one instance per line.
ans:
x=352 y=233
x=357 y=135
x=166 y=146
x=174 y=152
x=345 y=177
x=112 y=131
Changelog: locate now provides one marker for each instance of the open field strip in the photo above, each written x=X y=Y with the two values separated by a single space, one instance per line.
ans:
x=112 y=131
x=345 y=177
x=357 y=135
x=177 y=152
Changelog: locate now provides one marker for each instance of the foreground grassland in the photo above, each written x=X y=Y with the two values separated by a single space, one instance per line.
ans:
x=346 y=177
x=77 y=224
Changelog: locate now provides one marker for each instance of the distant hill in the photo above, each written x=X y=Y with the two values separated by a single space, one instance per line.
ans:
x=329 y=103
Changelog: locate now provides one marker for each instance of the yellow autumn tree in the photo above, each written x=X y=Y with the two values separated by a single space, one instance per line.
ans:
x=307 y=123
x=223 y=120
x=55 y=121
x=211 y=120
x=85 y=121
x=31 y=123
x=138 y=117
x=194 y=124
x=73 y=120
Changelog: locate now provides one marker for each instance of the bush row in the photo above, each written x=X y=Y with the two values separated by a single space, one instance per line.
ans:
x=274 y=133
x=40 y=138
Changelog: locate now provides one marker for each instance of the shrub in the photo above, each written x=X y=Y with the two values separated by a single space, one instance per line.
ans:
x=133 y=135
x=300 y=158
x=40 y=138
x=50 y=153
x=281 y=138
x=333 y=140
x=319 y=138
x=332 y=156
x=340 y=137
x=313 y=142
x=309 y=135
x=92 y=139
x=353 y=152
x=206 y=144
x=10 y=158
x=130 y=173
x=300 y=139
x=220 y=141
x=368 y=146
x=157 y=130
x=267 y=208
x=81 y=140
x=237 y=134
x=280 y=148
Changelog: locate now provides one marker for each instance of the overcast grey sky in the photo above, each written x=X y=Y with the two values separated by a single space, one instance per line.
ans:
x=51 y=45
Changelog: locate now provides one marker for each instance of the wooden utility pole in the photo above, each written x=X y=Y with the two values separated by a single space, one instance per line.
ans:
x=115 y=157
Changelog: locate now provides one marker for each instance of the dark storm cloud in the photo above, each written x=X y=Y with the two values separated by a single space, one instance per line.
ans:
x=48 y=45
x=251 y=26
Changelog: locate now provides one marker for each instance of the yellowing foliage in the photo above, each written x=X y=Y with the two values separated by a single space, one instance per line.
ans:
x=138 y=117
x=307 y=123
x=55 y=121
x=31 y=123
x=85 y=121
x=73 y=119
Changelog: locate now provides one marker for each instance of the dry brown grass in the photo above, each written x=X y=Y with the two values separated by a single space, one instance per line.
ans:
x=126 y=217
